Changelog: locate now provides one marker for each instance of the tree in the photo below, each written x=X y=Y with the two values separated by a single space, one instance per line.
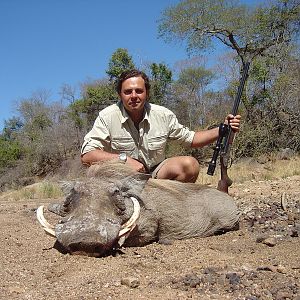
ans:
x=96 y=96
x=254 y=33
x=68 y=93
x=119 y=62
x=11 y=127
x=34 y=114
x=10 y=152
x=248 y=31
x=193 y=83
x=161 y=78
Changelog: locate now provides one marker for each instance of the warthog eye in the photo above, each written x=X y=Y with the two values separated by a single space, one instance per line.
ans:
x=112 y=221
x=114 y=190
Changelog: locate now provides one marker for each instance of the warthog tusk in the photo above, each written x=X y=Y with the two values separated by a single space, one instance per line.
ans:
x=49 y=229
x=129 y=225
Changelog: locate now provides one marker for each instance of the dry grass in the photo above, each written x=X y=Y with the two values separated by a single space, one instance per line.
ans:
x=247 y=169
x=41 y=190
x=250 y=169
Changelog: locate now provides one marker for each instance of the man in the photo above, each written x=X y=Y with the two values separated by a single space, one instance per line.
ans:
x=136 y=132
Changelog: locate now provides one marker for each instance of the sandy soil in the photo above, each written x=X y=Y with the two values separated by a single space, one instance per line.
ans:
x=259 y=261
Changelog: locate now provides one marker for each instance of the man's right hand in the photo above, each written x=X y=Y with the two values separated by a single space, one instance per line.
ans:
x=100 y=155
x=135 y=165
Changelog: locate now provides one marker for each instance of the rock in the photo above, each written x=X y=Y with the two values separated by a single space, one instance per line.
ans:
x=251 y=298
x=269 y=241
x=285 y=154
x=281 y=269
x=262 y=159
x=283 y=295
x=247 y=268
x=233 y=278
x=131 y=282
x=295 y=231
x=191 y=280
x=268 y=268
x=16 y=289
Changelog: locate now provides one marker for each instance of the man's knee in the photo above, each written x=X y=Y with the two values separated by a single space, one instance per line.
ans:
x=191 y=168
x=182 y=168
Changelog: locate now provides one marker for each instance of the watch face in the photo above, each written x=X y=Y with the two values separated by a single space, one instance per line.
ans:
x=123 y=157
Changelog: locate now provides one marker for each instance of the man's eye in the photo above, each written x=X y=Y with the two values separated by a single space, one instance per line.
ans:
x=139 y=91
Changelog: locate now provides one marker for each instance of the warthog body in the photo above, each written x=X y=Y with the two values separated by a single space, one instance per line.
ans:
x=96 y=207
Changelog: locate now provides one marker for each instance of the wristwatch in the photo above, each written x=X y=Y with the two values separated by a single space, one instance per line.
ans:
x=123 y=157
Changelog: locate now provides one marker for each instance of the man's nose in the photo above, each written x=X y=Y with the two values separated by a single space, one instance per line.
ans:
x=133 y=94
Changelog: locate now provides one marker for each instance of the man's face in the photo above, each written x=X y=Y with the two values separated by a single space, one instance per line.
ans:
x=133 y=94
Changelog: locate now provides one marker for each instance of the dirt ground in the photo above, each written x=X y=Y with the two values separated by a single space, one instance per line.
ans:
x=259 y=261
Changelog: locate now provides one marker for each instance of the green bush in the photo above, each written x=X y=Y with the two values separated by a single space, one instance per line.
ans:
x=10 y=152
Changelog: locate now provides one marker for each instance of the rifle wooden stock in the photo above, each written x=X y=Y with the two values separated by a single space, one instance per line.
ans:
x=225 y=181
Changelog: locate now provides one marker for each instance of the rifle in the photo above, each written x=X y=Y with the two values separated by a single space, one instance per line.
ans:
x=225 y=139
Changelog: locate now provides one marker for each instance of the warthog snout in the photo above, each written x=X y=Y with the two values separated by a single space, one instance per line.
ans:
x=88 y=236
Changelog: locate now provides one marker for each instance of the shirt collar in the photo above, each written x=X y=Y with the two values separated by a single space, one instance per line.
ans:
x=125 y=115
x=147 y=111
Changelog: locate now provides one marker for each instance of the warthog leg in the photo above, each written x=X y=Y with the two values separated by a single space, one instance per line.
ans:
x=129 y=225
x=49 y=229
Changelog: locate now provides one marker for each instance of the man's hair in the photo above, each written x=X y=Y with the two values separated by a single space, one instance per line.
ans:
x=132 y=73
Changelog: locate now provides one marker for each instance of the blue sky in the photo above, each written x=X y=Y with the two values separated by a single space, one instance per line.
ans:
x=45 y=44
x=48 y=43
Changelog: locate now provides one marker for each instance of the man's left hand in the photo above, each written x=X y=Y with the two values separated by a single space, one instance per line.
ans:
x=234 y=122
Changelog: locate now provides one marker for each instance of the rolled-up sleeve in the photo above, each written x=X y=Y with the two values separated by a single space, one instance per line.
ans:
x=179 y=132
x=97 y=138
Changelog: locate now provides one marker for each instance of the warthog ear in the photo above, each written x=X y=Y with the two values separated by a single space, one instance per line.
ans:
x=130 y=186
x=134 y=184
x=67 y=187
x=71 y=197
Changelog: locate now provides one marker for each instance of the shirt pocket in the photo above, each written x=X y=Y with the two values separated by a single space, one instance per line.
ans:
x=123 y=144
x=157 y=148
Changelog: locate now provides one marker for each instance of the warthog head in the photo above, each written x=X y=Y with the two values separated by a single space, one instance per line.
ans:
x=97 y=214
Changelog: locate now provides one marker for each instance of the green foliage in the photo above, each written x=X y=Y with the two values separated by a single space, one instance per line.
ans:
x=119 y=62
x=11 y=128
x=161 y=78
x=195 y=79
x=96 y=97
x=10 y=152
x=35 y=115
x=75 y=111
x=254 y=140
x=274 y=124
x=248 y=31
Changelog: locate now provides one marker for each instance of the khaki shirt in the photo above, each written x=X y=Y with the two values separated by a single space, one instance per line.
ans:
x=114 y=132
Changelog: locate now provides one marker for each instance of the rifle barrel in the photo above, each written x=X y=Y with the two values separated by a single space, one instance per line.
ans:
x=236 y=105
x=240 y=89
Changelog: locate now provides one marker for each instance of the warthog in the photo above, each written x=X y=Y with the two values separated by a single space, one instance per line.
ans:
x=115 y=206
